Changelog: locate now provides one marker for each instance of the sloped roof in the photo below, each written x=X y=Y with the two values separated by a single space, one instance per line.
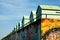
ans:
x=26 y=17
x=50 y=7
x=20 y=24
x=33 y=12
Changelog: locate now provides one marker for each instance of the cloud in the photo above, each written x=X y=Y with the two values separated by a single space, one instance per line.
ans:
x=16 y=6
x=16 y=3
x=9 y=17
x=6 y=5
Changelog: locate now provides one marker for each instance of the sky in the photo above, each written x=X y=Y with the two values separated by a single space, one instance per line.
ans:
x=12 y=11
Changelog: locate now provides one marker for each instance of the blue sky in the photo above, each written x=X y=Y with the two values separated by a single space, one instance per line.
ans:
x=12 y=11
